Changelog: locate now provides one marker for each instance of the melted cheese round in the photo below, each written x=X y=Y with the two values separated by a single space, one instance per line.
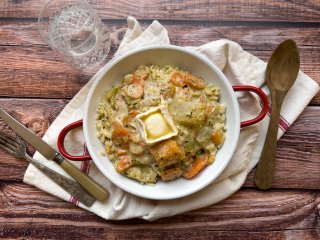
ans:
x=155 y=125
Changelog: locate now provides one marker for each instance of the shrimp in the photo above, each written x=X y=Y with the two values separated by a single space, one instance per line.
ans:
x=178 y=79
x=194 y=82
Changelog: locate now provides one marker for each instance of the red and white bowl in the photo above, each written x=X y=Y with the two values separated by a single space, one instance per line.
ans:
x=198 y=65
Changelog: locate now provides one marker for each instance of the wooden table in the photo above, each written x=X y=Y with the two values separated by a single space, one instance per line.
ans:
x=35 y=85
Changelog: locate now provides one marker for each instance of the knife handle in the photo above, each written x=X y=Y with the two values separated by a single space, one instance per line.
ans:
x=89 y=184
x=72 y=187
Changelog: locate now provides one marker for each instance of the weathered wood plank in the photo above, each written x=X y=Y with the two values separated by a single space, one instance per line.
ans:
x=205 y=10
x=248 y=209
x=43 y=69
x=37 y=72
x=42 y=231
x=297 y=160
x=299 y=147
x=29 y=69
x=37 y=115
x=263 y=37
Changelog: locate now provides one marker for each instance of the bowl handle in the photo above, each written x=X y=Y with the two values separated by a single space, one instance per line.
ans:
x=263 y=98
x=61 y=147
x=86 y=155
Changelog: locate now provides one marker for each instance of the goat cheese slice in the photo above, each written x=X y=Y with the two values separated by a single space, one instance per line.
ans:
x=156 y=126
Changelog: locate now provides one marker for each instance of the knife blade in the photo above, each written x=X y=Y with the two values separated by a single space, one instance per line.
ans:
x=44 y=148
x=50 y=153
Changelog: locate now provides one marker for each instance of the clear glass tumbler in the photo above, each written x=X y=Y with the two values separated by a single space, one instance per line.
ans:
x=74 y=31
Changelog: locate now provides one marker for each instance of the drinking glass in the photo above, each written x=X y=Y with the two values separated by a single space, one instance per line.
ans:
x=74 y=31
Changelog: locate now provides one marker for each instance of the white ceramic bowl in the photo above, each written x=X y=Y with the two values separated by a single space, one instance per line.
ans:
x=161 y=55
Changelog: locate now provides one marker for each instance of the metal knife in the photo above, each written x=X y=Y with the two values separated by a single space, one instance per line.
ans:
x=17 y=148
x=50 y=153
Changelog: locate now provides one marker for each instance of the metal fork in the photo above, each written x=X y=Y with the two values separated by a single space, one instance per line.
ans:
x=17 y=148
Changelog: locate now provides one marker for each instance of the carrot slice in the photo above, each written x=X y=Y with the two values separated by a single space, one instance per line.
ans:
x=217 y=138
x=199 y=163
x=124 y=163
x=209 y=109
x=177 y=79
x=137 y=80
x=134 y=90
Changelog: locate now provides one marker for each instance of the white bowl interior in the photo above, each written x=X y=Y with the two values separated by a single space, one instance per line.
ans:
x=161 y=55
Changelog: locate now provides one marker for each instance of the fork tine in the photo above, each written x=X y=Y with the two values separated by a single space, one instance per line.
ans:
x=10 y=139
x=6 y=148
x=7 y=135
x=6 y=143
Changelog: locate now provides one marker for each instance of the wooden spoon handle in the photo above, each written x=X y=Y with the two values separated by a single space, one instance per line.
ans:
x=265 y=170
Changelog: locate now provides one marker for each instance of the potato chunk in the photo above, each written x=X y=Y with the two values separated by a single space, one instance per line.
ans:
x=189 y=113
x=171 y=174
x=143 y=174
x=167 y=152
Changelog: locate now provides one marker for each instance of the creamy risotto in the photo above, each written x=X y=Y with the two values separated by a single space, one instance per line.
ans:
x=161 y=122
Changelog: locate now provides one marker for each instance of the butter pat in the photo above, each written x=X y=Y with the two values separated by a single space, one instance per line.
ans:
x=155 y=125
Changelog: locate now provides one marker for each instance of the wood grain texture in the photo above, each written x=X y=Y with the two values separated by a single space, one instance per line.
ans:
x=35 y=85
x=297 y=159
x=67 y=232
x=43 y=69
x=298 y=147
x=247 y=210
x=205 y=10
x=34 y=114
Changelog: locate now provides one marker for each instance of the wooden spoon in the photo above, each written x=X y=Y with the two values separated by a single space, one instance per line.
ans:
x=281 y=73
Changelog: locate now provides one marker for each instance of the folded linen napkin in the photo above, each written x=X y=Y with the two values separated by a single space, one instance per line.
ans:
x=240 y=67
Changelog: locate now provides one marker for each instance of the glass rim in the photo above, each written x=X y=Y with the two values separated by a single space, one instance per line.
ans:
x=66 y=3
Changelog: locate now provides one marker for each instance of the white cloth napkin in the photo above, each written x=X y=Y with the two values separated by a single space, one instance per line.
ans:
x=240 y=67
